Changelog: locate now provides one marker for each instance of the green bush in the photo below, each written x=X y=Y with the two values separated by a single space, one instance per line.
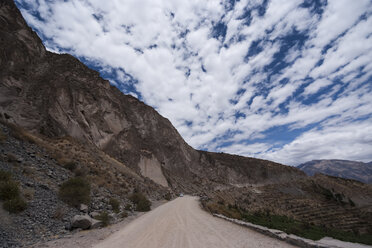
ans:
x=115 y=205
x=8 y=190
x=104 y=217
x=15 y=205
x=5 y=176
x=141 y=202
x=75 y=191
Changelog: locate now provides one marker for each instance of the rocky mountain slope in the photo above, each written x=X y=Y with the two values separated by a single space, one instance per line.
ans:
x=56 y=95
x=40 y=166
x=339 y=168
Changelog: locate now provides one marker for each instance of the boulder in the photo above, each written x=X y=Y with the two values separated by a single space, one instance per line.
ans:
x=81 y=221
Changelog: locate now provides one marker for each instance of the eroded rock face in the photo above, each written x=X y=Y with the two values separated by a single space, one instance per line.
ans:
x=57 y=95
x=151 y=168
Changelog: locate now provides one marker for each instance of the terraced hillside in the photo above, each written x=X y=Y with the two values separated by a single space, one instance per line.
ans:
x=323 y=201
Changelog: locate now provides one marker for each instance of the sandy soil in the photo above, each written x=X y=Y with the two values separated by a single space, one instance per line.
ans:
x=182 y=223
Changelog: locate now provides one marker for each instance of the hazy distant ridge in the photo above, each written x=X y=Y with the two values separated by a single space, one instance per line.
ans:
x=340 y=168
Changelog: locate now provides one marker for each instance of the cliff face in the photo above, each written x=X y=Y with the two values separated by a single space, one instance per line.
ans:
x=340 y=168
x=56 y=95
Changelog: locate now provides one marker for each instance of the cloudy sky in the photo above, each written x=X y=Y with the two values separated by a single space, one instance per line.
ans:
x=284 y=80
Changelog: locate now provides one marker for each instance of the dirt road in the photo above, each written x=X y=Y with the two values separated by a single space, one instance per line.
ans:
x=181 y=223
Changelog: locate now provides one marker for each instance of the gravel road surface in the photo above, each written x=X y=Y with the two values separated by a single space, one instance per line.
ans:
x=181 y=223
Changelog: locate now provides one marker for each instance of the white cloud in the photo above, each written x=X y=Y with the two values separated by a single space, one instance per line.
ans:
x=316 y=86
x=191 y=77
x=354 y=142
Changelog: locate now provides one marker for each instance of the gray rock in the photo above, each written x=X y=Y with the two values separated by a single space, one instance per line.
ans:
x=81 y=221
x=94 y=214
x=83 y=208
x=96 y=224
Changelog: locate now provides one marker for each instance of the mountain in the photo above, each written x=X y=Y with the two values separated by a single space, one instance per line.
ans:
x=56 y=95
x=339 y=168
x=60 y=120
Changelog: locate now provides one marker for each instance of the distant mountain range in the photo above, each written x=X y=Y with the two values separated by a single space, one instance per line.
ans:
x=340 y=168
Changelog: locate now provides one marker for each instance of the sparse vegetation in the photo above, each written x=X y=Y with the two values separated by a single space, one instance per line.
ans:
x=59 y=213
x=168 y=196
x=75 y=191
x=80 y=172
x=10 y=193
x=15 y=205
x=68 y=164
x=124 y=214
x=5 y=176
x=11 y=158
x=20 y=133
x=8 y=190
x=221 y=209
x=2 y=136
x=104 y=217
x=128 y=207
x=115 y=205
x=141 y=202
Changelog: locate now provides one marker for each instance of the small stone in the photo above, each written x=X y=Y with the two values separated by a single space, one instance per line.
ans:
x=83 y=208
x=94 y=214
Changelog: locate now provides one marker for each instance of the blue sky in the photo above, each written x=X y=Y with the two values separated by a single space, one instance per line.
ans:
x=284 y=80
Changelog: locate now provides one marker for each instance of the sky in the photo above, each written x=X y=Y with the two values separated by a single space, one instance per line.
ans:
x=284 y=80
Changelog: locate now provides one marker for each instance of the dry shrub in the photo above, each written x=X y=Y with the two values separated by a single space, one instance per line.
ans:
x=222 y=209
x=124 y=214
x=67 y=163
x=115 y=205
x=80 y=172
x=168 y=196
x=10 y=194
x=28 y=193
x=2 y=136
x=8 y=190
x=29 y=171
x=21 y=134
x=75 y=191
x=141 y=202
x=15 y=205
x=104 y=217
x=11 y=158
x=5 y=176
